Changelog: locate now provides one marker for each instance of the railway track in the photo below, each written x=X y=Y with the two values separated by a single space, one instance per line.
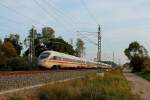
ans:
x=22 y=79
x=8 y=73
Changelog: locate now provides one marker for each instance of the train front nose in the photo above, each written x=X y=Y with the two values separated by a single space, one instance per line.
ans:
x=41 y=62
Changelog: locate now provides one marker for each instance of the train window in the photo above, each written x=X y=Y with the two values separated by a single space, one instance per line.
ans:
x=64 y=59
x=44 y=55
x=56 y=58
x=67 y=59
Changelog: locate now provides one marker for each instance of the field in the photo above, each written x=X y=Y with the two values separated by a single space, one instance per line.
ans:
x=113 y=86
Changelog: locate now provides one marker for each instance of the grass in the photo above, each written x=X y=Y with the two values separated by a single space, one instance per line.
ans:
x=113 y=86
x=145 y=75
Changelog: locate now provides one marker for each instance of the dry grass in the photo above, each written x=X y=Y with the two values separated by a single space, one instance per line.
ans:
x=113 y=86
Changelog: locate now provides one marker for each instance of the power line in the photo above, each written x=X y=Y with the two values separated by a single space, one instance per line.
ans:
x=89 y=33
x=90 y=36
x=15 y=11
x=8 y=26
x=6 y=31
x=87 y=38
x=113 y=57
x=89 y=12
x=42 y=8
x=59 y=11
x=99 y=43
x=47 y=12
x=90 y=41
x=16 y=22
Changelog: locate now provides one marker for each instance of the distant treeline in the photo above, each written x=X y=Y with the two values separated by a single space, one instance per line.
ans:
x=12 y=56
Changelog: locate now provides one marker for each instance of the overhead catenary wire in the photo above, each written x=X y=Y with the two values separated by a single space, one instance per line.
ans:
x=48 y=13
x=60 y=12
x=87 y=39
x=89 y=12
x=42 y=8
x=12 y=26
x=14 y=21
x=25 y=16
x=6 y=31
x=90 y=41
x=89 y=34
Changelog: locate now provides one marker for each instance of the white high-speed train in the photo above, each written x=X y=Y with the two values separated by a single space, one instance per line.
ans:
x=56 y=60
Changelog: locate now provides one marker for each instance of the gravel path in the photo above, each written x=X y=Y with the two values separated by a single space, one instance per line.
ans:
x=139 y=85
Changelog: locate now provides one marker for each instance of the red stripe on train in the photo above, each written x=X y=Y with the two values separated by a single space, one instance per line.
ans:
x=65 y=62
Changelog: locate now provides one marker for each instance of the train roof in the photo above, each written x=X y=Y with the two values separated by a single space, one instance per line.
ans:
x=62 y=54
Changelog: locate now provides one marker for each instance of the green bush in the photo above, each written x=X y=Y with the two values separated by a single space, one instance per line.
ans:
x=18 y=63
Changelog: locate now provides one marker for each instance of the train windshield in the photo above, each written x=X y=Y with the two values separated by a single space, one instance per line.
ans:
x=44 y=55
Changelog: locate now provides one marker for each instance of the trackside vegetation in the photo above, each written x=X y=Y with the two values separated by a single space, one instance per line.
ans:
x=139 y=59
x=113 y=86
x=14 y=57
x=145 y=75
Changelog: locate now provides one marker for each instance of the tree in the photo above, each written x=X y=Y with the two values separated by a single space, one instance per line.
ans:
x=32 y=33
x=7 y=51
x=15 y=40
x=79 y=47
x=1 y=54
x=47 y=41
x=39 y=46
x=60 y=45
x=136 y=54
x=71 y=42
x=47 y=33
x=135 y=49
x=147 y=64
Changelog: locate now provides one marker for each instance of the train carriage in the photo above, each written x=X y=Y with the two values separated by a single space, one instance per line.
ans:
x=56 y=60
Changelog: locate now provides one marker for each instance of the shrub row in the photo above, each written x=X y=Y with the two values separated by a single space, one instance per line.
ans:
x=16 y=64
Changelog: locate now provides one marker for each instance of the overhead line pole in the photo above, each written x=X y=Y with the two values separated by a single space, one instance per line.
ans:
x=113 y=58
x=32 y=47
x=99 y=45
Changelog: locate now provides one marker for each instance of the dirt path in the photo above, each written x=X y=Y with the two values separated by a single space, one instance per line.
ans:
x=139 y=85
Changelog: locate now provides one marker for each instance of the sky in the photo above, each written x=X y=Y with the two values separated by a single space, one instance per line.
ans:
x=121 y=21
